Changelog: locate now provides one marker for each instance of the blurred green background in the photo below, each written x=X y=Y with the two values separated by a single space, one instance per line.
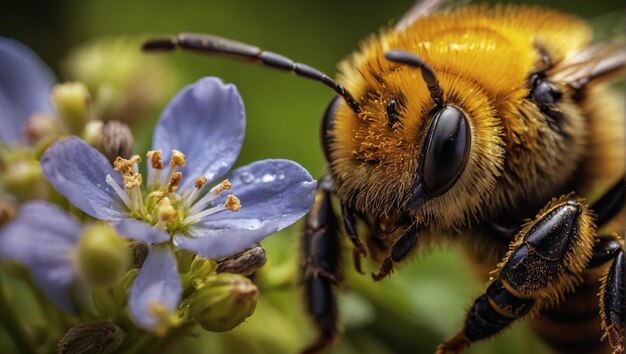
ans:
x=423 y=303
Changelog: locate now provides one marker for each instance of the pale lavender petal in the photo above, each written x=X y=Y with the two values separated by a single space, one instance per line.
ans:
x=157 y=286
x=140 y=231
x=43 y=238
x=273 y=193
x=25 y=87
x=78 y=171
x=206 y=122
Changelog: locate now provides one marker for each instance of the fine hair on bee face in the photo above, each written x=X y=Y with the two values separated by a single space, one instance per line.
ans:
x=490 y=126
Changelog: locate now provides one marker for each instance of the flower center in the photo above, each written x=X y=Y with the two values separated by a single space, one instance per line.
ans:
x=163 y=205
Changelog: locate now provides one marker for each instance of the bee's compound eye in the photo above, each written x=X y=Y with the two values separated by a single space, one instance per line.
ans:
x=446 y=151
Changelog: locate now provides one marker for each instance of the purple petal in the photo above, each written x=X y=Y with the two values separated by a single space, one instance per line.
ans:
x=43 y=237
x=273 y=193
x=25 y=87
x=78 y=171
x=206 y=122
x=140 y=231
x=156 y=287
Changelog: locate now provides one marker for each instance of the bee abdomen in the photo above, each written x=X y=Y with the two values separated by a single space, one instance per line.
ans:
x=574 y=326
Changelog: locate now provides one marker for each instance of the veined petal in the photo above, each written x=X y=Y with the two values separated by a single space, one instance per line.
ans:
x=78 y=171
x=25 y=87
x=157 y=290
x=206 y=122
x=140 y=231
x=273 y=193
x=43 y=238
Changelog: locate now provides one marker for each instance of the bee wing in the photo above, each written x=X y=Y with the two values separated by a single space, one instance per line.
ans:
x=423 y=8
x=597 y=63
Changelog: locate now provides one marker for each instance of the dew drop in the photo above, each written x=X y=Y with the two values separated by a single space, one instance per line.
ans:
x=247 y=177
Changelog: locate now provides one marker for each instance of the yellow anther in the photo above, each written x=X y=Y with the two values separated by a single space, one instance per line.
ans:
x=225 y=185
x=132 y=180
x=200 y=181
x=178 y=158
x=172 y=186
x=123 y=166
x=232 y=203
x=155 y=159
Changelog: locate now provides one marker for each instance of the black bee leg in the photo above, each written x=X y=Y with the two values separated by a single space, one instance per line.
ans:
x=545 y=260
x=321 y=267
x=399 y=250
x=349 y=224
x=613 y=302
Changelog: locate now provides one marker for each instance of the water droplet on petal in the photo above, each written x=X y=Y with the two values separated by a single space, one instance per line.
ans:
x=247 y=177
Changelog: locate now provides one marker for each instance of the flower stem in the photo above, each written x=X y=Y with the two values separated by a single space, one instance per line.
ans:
x=13 y=326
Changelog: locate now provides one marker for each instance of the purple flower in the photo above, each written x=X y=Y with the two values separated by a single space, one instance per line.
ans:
x=201 y=131
x=25 y=86
x=43 y=237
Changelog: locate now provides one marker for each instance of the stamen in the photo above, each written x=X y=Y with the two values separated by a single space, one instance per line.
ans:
x=200 y=181
x=194 y=218
x=209 y=197
x=119 y=191
x=232 y=203
x=122 y=165
x=177 y=159
x=155 y=159
x=225 y=185
x=132 y=180
x=174 y=182
x=156 y=166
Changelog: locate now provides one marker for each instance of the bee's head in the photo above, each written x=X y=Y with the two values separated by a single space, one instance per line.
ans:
x=412 y=149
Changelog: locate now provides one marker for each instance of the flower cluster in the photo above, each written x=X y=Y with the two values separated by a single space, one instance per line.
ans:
x=152 y=239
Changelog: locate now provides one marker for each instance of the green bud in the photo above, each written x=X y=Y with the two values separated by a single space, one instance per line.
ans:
x=92 y=133
x=72 y=101
x=96 y=337
x=116 y=139
x=223 y=302
x=103 y=256
x=24 y=179
x=126 y=84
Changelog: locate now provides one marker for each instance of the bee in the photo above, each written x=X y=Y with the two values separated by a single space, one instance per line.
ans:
x=489 y=126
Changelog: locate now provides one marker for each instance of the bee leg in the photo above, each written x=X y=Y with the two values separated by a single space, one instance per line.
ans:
x=349 y=224
x=401 y=248
x=613 y=301
x=545 y=260
x=321 y=267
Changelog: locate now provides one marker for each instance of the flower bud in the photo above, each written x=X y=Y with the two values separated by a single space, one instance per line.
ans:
x=103 y=256
x=93 y=132
x=24 y=179
x=125 y=83
x=72 y=101
x=245 y=263
x=96 y=337
x=116 y=140
x=40 y=126
x=223 y=302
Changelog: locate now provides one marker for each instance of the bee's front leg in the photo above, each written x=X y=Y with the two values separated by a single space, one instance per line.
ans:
x=545 y=260
x=613 y=302
x=321 y=252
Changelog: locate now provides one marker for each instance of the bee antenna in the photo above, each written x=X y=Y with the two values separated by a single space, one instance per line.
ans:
x=403 y=57
x=225 y=47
